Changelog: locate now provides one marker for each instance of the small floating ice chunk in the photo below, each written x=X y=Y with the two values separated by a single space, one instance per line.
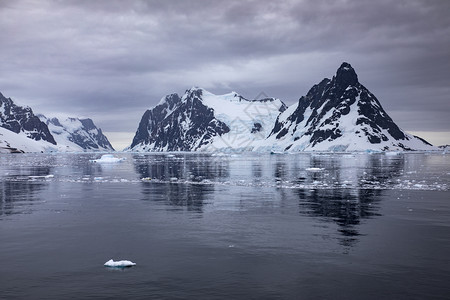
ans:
x=108 y=158
x=392 y=153
x=218 y=154
x=42 y=177
x=314 y=169
x=119 y=264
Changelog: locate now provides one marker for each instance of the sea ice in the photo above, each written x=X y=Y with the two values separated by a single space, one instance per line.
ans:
x=43 y=176
x=392 y=153
x=108 y=158
x=119 y=264
x=314 y=169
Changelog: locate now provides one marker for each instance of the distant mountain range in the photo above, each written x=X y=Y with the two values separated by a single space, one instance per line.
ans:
x=23 y=131
x=338 y=114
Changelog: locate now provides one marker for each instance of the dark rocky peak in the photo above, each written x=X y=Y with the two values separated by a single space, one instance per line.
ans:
x=194 y=92
x=318 y=88
x=187 y=126
x=154 y=116
x=88 y=124
x=5 y=101
x=325 y=111
x=172 y=100
x=346 y=76
x=22 y=119
x=54 y=121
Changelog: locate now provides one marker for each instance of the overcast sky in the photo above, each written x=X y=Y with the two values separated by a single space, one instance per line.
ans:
x=111 y=60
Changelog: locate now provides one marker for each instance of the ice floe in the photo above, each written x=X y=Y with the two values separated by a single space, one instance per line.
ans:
x=119 y=264
x=42 y=176
x=108 y=158
x=314 y=169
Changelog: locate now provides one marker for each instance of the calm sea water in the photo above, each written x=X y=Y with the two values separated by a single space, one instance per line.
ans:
x=304 y=226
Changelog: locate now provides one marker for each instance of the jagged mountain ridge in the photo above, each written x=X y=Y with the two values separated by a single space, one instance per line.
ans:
x=200 y=120
x=22 y=120
x=167 y=127
x=339 y=114
x=27 y=132
x=77 y=134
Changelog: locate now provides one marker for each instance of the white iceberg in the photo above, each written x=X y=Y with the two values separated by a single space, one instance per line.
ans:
x=108 y=158
x=392 y=153
x=42 y=176
x=119 y=264
x=314 y=169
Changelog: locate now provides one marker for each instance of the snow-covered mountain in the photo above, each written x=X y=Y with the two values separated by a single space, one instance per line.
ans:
x=23 y=121
x=75 y=134
x=339 y=114
x=23 y=131
x=200 y=120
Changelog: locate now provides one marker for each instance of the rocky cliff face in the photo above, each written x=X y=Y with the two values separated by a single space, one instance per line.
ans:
x=22 y=120
x=178 y=124
x=340 y=114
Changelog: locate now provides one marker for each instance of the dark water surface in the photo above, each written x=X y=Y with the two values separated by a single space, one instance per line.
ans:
x=306 y=226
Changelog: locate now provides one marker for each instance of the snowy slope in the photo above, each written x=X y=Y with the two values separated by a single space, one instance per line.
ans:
x=249 y=120
x=75 y=134
x=20 y=142
x=202 y=121
x=339 y=115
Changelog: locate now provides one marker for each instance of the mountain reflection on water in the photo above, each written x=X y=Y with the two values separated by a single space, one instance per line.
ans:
x=20 y=188
x=192 y=182
x=342 y=189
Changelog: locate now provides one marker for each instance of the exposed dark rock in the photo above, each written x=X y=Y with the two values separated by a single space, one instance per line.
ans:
x=327 y=102
x=22 y=119
x=178 y=124
x=256 y=127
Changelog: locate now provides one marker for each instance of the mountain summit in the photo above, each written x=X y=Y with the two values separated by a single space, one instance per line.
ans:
x=346 y=75
x=340 y=114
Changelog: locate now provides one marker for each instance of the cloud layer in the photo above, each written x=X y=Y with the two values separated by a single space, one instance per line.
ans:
x=111 y=60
